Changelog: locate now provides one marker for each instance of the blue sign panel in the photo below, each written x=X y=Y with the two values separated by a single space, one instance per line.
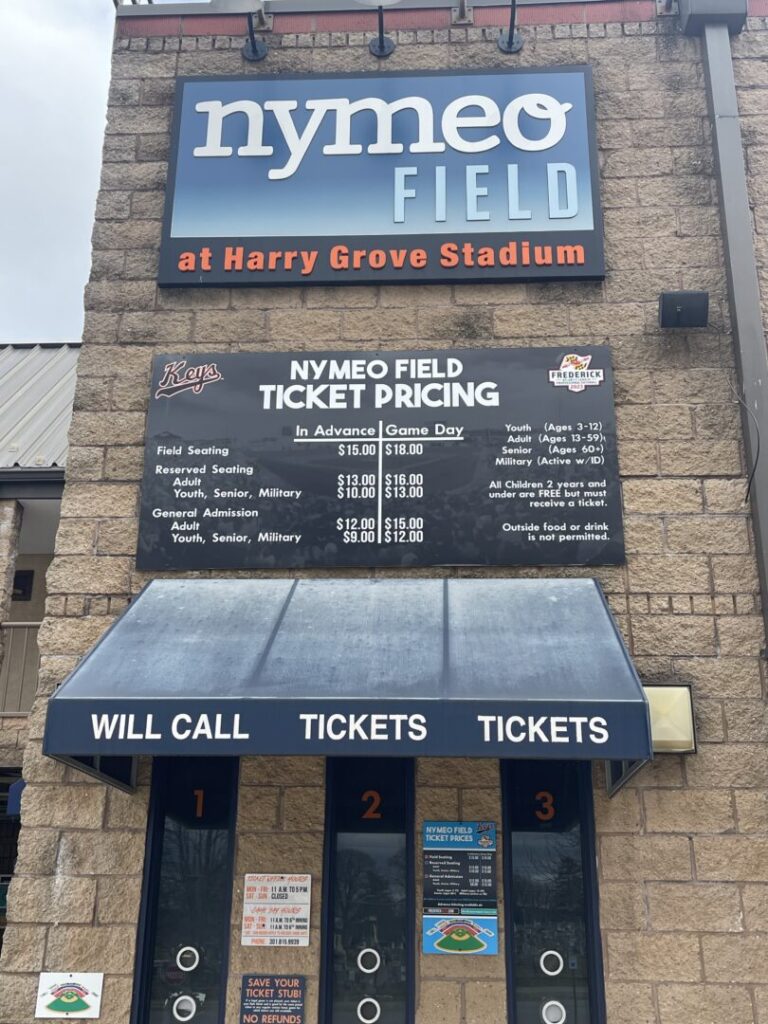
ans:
x=366 y=178
x=460 y=914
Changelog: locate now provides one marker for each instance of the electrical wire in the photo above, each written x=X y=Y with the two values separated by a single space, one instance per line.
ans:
x=749 y=412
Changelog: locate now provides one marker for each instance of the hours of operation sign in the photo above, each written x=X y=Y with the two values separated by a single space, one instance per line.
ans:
x=478 y=457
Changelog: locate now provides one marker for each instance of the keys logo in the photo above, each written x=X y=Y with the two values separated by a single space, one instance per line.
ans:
x=574 y=373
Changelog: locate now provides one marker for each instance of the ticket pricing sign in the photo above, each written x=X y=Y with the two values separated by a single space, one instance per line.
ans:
x=415 y=177
x=272 y=999
x=475 y=457
x=276 y=910
x=460 y=913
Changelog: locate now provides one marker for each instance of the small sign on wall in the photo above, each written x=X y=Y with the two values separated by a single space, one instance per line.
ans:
x=460 y=900
x=276 y=910
x=69 y=995
x=272 y=999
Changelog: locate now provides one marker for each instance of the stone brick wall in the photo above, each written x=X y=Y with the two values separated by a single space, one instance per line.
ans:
x=13 y=730
x=683 y=852
x=750 y=52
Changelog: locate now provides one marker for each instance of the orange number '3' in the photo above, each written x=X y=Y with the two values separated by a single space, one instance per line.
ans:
x=372 y=810
x=547 y=810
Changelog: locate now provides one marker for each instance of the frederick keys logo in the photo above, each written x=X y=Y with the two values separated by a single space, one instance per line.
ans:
x=176 y=378
x=574 y=373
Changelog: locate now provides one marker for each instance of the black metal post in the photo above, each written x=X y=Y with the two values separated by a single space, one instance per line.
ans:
x=511 y=41
x=254 y=49
x=383 y=46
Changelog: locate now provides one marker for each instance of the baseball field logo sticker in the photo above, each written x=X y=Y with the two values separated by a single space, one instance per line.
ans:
x=460 y=936
x=574 y=373
x=76 y=996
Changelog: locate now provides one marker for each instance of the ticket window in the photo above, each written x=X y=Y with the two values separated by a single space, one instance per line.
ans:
x=368 y=933
x=554 y=961
x=181 y=966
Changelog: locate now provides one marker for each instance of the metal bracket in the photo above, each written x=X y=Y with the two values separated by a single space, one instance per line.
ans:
x=666 y=8
x=264 y=22
x=463 y=14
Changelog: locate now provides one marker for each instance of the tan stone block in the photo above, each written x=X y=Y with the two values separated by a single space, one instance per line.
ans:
x=480 y=804
x=699 y=386
x=655 y=421
x=117 y=537
x=258 y=806
x=124 y=463
x=120 y=296
x=694 y=908
x=439 y=1003
x=706 y=457
x=751 y=810
x=282 y=851
x=64 y=806
x=669 y=634
x=267 y=298
x=747 y=721
x=465 y=771
x=106 y=948
x=60 y=898
x=118 y=900
x=39 y=768
x=116 y=1001
x=85 y=463
x=735 y=958
x=637 y=957
x=741 y=634
x=704 y=1004
x=734 y=573
x=23 y=949
x=75 y=537
x=127 y=810
x=630 y=858
x=343 y=297
x=721 y=677
x=741 y=764
x=710 y=721
x=629 y=1003
x=99 y=500
x=755 y=901
x=661 y=573
x=97 y=428
x=456 y=326
x=304 y=809
x=18 y=992
x=716 y=534
x=620 y=813
x=437 y=804
x=37 y=851
x=485 y=1001
x=282 y=771
x=652 y=495
x=539 y=321
x=89 y=574
x=373 y=325
x=687 y=811
x=643 y=533
x=731 y=858
x=299 y=325
x=639 y=458
x=622 y=906
x=101 y=853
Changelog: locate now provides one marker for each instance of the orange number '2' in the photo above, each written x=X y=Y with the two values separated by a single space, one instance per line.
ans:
x=547 y=810
x=372 y=810
x=199 y=795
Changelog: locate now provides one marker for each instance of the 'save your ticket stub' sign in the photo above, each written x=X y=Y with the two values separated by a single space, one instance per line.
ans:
x=481 y=457
x=483 y=175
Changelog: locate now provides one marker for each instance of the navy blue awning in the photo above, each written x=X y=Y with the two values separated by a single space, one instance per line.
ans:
x=410 y=667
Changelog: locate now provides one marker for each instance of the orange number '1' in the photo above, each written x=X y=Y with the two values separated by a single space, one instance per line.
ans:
x=199 y=795
x=547 y=810
x=372 y=810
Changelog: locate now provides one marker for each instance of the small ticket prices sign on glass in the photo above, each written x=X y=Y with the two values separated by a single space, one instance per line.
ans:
x=272 y=999
x=460 y=914
x=276 y=910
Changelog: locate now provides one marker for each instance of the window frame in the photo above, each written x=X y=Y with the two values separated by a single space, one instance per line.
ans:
x=150 y=883
x=325 y=1000
x=595 y=971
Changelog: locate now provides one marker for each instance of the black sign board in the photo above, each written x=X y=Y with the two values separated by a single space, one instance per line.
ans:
x=272 y=999
x=286 y=460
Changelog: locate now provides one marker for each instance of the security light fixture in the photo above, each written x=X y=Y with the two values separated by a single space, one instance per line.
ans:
x=255 y=49
x=381 y=46
x=511 y=41
x=683 y=309
x=672 y=725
